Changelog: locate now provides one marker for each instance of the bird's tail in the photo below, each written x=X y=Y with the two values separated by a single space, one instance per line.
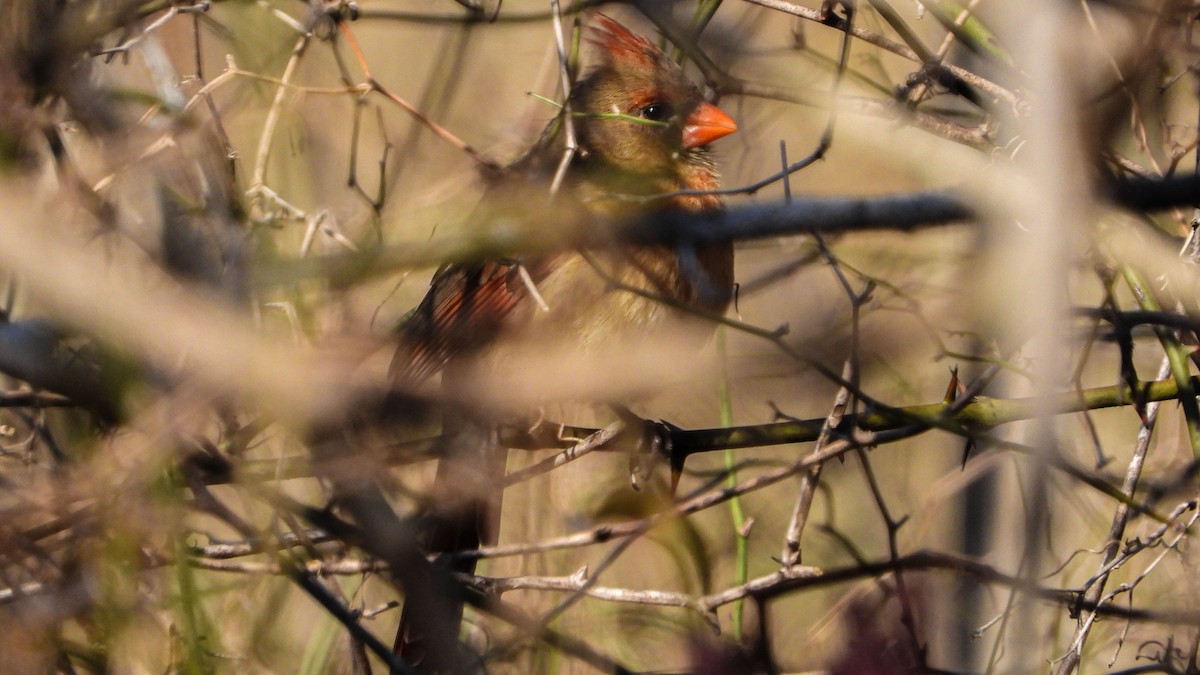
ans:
x=467 y=494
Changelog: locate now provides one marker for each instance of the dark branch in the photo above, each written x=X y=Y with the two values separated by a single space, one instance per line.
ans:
x=549 y=230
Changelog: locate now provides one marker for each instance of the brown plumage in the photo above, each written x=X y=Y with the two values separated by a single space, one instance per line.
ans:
x=643 y=129
x=659 y=147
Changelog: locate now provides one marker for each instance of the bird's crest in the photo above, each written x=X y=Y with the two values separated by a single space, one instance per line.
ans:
x=619 y=44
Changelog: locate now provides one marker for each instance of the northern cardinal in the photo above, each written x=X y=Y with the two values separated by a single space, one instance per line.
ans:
x=643 y=129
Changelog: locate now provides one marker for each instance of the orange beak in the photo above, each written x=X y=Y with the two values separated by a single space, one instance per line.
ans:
x=706 y=125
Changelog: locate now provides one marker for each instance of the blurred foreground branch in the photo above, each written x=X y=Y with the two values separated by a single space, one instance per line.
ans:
x=830 y=215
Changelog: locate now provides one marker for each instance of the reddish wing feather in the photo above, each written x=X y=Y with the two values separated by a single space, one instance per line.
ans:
x=463 y=309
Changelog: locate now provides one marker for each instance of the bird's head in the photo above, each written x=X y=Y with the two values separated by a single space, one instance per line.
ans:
x=636 y=111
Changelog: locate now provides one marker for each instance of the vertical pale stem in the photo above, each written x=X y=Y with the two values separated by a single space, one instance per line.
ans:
x=1033 y=236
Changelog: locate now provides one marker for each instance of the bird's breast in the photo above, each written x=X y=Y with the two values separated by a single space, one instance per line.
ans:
x=603 y=298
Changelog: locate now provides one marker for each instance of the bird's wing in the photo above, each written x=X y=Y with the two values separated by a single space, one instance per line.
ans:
x=463 y=309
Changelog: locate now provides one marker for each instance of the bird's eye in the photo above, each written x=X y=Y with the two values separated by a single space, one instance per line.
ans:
x=657 y=112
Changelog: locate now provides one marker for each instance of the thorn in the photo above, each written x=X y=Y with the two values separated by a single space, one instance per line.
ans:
x=967 y=447
x=867 y=292
x=532 y=288
x=952 y=387
x=779 y=414
x=676 y=470
x=649 y=442
x=744 y=530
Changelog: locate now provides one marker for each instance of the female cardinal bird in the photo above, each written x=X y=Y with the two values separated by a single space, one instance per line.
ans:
x=642 y=129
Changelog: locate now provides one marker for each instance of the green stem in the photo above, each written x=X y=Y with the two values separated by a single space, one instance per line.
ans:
x=736 y=512
x=1177 y=356
x=972 y=33
x=197 y=637
x=705 y=9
